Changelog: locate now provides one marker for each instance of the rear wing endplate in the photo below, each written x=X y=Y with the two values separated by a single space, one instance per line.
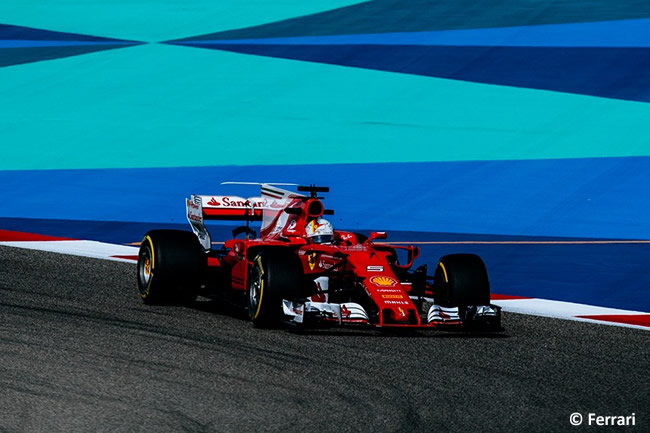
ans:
x=220 y=207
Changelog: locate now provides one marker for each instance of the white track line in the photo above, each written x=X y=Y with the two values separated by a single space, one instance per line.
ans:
x=94 y=249
x=566 y=310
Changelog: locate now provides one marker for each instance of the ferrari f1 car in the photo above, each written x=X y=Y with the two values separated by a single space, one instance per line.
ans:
x=301 y=272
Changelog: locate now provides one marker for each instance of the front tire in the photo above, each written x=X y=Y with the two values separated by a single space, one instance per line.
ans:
x=274 y=275
x=461 y=280
x=171 y=264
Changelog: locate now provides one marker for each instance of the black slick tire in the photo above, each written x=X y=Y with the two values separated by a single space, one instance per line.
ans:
x=275 y=274
x=461 y=280
x=171 y=265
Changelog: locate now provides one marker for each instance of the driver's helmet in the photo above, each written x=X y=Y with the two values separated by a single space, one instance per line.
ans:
x=320 y=231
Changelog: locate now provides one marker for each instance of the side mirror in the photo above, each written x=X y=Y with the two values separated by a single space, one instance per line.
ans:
x=377 y=235
x=413 y=253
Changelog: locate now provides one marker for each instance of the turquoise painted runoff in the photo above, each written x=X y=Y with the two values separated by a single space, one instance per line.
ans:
x=159 y=106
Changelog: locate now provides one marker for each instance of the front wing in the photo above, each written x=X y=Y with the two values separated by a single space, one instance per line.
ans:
x=307 y=313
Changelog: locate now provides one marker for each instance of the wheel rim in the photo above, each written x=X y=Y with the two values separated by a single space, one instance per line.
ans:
x=254 y=291
x=144 y=269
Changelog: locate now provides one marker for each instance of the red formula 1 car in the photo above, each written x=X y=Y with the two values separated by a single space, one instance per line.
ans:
x=301 y=272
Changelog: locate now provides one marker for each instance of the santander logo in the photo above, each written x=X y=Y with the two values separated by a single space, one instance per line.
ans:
x=238 y=202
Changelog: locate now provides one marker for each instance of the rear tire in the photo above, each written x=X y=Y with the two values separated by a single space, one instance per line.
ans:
x=171 y=265
x=275 y=275
x=461 y=280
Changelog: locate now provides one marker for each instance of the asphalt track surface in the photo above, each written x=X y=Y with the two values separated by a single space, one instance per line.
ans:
x=79 y=352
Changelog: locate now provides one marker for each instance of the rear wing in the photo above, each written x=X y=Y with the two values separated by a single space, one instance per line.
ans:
x=228 y=207
x=268 y=208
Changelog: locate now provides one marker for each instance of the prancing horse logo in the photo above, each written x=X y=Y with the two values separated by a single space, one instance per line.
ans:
x=311 y=259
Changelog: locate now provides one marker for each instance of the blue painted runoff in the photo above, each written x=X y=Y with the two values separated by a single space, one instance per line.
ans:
x=389 y=16
x=624 y=33
x=603 y=198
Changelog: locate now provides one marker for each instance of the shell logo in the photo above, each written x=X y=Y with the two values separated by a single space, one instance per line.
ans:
x=383 y=281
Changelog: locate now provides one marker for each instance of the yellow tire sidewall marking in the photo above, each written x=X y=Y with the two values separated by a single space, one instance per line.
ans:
x=444 y=271
x=259 y=303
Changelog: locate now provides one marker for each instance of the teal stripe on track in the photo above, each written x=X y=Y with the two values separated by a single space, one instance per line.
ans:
x=159 y=106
